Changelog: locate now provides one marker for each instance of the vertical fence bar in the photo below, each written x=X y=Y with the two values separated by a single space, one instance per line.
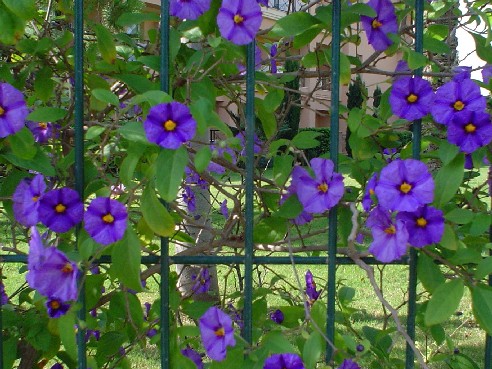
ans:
x=79 y=152
x=249 y=214
x=164 y=269
x=416 y=146
x=332 y=219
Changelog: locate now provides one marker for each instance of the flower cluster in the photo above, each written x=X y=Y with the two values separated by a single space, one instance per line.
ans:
x=52 y=274
x=105 y=219
x=458 y=104
x=404 y=190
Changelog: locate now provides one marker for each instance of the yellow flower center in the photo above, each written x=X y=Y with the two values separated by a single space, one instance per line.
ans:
x=412 y=98
x=67 y=268
x=421 y=222
x=470 y=128
x=108 y=218
x=371 y=192
x=238 y=19
x=390 y=230
x=60 y=208
x=2 y=111
x=43 y=125
x=376 y=24
x=459 y=105
x=55 y=305
x=323 y=187
x=405 y=187
x=203 y=281
x=35 y=198
x=220 y=332
x=169 y=125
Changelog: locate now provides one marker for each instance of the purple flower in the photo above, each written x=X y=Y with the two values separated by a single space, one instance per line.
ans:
x=92 y=333
x=411 y=97
x=263 y=2
x=405 y=185
x=369 y=191
x=425 y=226
x=389 y=239
x=57 y=366
x=283 y=361
x=456 y=96
x=468 y=161
x=349 y=364
x=189 y=9
x=461 y=73
x=401 y=67
x=105 y=220
x=202 y=281
x=304 y=217
x=377 y=28
x=13 y=110
x=216 y=332
x=273 y=61
x=42 y=132
x=487 y=73
x=242 y=139
x=170 y=125
x=51 y=273
x=56 y=308
x=26 y=200
x=470 y=130
x=277 y=316
x=193 y=178
x=236 y=315
x=321 y=193
x=193 y=356
x=60 y=209
x=4 y=298
x=151 y=333
x=189 y=199
x=239 y=20
x=224 y=210
x=311 y=291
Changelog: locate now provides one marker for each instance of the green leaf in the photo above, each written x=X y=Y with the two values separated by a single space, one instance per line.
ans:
x=22 y=144
x=137 y=83
x=105 y=96
x=66 y=327
x=273 y=100
x=206 y=117
x=269 y=230
x=170 y=166
x=267 y=118
x=460 y=216
x=155 y=214
x=313 y=348
x=152 y=97
x=306 y=140
x=362 y=9
x=40 y=163
x=415 y=60
x=294 y=24
x=483 y=48
x=125 y=256
x=105 y=43
x=134 y=132
x=108 y=345
x=436 y=46
x=444 y=302
x=24 y=9
x=12 y=26
x=290 y=209
x=482 y=306
x=448 y=180
x=44 y=84
x=438 y=31
x=429 y=273
x=202 y=158
x=129 y=19
x=448 y=240
x=94 y=132
x=282 y=167
x=481 y=223
x=484 y=268
x=47 y=114
x=276 y=343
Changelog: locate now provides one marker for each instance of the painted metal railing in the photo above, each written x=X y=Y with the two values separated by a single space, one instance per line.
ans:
x=249 y=260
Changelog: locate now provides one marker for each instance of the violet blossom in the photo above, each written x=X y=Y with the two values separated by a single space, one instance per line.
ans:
x=411 y=98
x=202 y=281
x=369 y=192
x=283 y=361
x=56 y=308
x=216 y=333
x=193 y=356
x=188 y=9
x=425 y=226
x=239 y=20
x=470 y=130
x=60 y=209
x=169 y=125
x=42 y=132
x=26 y=200
x=349 y=364
x=13 y=110
x=105 y=220
x=405 y=185
x=277 y=316
x=378 y=28
x=189 y=199
x=311 y=291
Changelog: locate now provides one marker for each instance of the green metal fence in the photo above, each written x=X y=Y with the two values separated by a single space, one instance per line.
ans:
x=249 y=260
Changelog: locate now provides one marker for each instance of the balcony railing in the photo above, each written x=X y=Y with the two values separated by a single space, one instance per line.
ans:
x=285 y=5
